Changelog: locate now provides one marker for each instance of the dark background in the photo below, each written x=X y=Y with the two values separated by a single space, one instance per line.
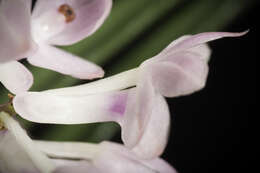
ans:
x=210 y=128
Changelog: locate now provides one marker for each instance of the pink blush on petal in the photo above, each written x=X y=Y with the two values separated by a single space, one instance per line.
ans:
x=119 y=102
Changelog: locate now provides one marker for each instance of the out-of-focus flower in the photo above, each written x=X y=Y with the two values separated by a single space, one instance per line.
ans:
x=142 y=112
x=62 y=22
x=16 y=43
x=56 y=22
x=105 y=157
x=18 y=154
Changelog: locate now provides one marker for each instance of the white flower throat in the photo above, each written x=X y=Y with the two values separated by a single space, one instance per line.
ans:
x=52 y=22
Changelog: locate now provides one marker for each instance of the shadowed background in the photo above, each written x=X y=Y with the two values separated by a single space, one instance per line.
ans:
x=208 y=132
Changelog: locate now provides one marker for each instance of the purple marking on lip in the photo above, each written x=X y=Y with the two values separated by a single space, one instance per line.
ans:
x=119 y=103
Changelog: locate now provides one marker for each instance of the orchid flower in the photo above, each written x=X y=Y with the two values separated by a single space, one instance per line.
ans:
x=18 y=154
x=56 y=22
x=142 y=111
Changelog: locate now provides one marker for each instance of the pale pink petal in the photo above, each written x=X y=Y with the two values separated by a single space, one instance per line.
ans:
x=113 y=163
x=155 y=136
x=169 y=50
x=160 y=165
x=140 y=121
x=113 y=83
x=43 y=6
x=68 y=150
x=89 y=15
x=18 y=152
x=180 y=74
x=49 y=108
x=69 y=166
x=195 y=40
x=13 y=158
x=115 y=159
x=58 y=60
x=104 y=157
x=15 y=33
x=203 y=51
x=15 y=77
x=139 y=108
x=125 y=160
x=47 y=25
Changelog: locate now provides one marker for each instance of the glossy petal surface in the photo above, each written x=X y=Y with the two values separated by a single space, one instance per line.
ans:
x=127 y=161
x=49 y=108
x=69 y=166
x=180 y=74
x=198 y=39
x=138 y=111
x=55 y=59
x=88 y=17
x=104 y=157
x=155 y=136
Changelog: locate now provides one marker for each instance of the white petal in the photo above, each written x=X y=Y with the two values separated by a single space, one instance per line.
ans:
x=47 y=25
x=49 y=108
x=159 y=165
x=195 y=40
x=13 y=159
x=15 y=34
x=112 y=163
x=202 y=49
x=105 y=157
x=155 y=136
x=88 y=17
x=68 y=150
x=180 y=74
x=170 y=48
x=55 y=59
x=121 y=159
x=117 y=82
x=69 y=166
x=138 y=110
x=16 y=146
x=15 y=77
